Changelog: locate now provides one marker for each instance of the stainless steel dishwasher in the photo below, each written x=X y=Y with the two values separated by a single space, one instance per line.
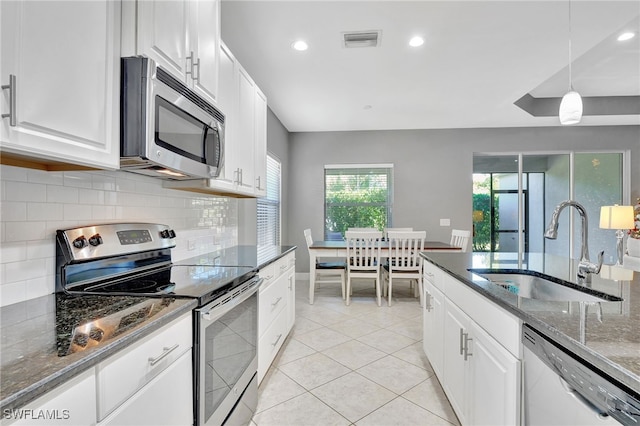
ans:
x=560 y=389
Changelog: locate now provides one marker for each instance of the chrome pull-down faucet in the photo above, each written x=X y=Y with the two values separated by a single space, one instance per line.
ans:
x=585 y=267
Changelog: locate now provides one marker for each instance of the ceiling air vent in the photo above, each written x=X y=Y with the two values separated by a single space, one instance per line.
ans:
x=362 y=38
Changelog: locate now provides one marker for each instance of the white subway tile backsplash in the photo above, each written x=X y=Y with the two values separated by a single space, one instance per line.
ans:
x=51 y=178
x=78 y=212
x=41 y=286
x=13 y=252
x=26 y=269
x=61 y=194
x=25 y=231
x=37 y=203
x=13 y=292
x=77 y=179
x=90 y=196
x=101 y=214
x=44 y=211
x=11 y=211
x=104 y=182
x=42 y=249
x=14 y=174
x=25 y=191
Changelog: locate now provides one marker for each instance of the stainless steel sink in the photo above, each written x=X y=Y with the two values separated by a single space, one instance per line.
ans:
x=534 y=285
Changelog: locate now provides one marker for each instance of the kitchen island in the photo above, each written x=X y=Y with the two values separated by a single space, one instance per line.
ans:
x=610 y=343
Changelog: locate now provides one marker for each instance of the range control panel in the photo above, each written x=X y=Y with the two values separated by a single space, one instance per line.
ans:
x=113 y=239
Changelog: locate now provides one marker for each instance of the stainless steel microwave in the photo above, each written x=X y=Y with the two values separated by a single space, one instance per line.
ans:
x=167 y=130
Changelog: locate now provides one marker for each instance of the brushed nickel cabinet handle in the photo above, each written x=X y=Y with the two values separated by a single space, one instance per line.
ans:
x=277 y=340
x=197 y=65
x=12 y=100
x=165 y=351
x=190 y=58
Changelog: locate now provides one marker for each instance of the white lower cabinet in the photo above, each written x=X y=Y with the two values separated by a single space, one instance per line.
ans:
x=433 y=326
x=276 y=309
x=166 y=400
x=138 y=385
x=72 y=403
x=479 y=375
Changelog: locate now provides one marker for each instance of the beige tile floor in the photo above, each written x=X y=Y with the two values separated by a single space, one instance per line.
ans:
x=353 y=365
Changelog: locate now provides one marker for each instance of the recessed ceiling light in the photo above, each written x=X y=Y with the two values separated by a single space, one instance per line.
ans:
x=626 y=36
x=300 y=45
x=416 y=41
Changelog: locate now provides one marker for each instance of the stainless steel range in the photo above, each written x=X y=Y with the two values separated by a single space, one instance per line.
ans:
x=134 y=259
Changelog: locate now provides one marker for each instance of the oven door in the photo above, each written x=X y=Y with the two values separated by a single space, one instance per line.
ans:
x=227 y=351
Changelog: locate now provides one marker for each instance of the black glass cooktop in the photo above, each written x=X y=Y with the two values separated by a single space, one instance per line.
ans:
x=203 y=282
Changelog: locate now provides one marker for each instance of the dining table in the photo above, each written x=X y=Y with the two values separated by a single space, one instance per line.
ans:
x=338 y=249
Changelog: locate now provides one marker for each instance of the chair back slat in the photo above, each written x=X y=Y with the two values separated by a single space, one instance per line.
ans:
x=363 y=250
x=308 y=237
x=460 y=238
x=404 y=250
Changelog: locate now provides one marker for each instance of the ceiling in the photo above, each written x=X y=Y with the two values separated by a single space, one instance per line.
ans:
x=478 y=59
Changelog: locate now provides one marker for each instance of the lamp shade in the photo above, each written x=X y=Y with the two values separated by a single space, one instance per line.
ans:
x=616 y=273
x=616 y=217
x=571 y=108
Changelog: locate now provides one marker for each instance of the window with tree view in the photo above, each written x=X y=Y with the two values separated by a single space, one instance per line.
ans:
x=357 y=196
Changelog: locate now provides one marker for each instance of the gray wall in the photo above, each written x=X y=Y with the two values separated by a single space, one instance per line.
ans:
x=432 y=169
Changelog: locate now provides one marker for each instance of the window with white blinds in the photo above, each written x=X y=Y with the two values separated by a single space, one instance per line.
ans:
x=359 y=196
x=268 y=227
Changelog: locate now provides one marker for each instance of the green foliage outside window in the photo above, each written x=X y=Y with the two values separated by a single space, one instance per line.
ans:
x=356 y=198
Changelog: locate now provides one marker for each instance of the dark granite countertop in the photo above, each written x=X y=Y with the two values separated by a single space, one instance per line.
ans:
x=42 y=345
x=611 y=345
x=240 y=256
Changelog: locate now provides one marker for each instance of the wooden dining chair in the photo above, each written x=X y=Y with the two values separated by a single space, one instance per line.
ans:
x=325 y=272
x=460 y=238
x=363 y=259
x=404 y=261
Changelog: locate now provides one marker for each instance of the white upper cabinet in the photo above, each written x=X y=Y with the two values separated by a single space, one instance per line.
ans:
x=181 y=36
x=245 y=147
x=62 y=63
x=245 y=134
x=260 y=142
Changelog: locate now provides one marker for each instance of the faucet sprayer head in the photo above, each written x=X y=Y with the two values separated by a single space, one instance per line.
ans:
x=552 y=231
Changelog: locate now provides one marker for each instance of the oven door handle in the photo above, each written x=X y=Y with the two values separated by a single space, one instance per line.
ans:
x=215 y=310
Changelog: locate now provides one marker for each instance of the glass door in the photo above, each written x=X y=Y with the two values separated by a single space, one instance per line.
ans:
x=514 y=197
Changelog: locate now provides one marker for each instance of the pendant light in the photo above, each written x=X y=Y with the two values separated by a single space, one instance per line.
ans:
x=571 y=105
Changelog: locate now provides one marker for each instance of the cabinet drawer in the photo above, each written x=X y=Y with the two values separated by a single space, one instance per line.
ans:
x=166 y=400
x=270 y=343
x=123 y=374
x=268 y=274
x=433 y=274
x=271 y=301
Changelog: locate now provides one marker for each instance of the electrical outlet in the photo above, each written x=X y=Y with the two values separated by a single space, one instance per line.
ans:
x=191 y=245
x=445 y=222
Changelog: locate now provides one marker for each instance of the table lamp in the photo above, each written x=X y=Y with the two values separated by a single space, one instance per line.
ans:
x=617 y=217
